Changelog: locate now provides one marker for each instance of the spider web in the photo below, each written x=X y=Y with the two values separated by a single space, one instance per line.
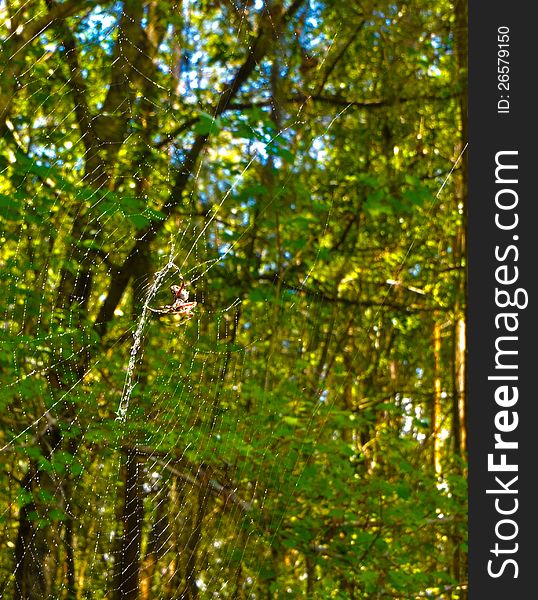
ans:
x=146 y=456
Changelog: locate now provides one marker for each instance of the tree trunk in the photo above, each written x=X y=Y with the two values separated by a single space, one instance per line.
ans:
x=32 y=556
x=157 y=543
x=436 y=409
x=128 y=562
x=70 y=559
x=190 y=592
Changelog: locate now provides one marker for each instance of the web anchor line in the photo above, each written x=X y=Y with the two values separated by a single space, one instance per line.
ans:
x=180 y=306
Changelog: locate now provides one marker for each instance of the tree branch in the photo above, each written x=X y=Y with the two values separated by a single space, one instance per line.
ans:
x=14 y=46
x=322 y=296
x=118 y=285
x=58 y=12
x=215 y=487
x=94 y=166
x=339 y=56
x=340 y=101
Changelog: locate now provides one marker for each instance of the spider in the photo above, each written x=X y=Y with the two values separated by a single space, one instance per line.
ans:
x=181 y=305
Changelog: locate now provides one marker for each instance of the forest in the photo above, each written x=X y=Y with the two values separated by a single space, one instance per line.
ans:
x=233 y=298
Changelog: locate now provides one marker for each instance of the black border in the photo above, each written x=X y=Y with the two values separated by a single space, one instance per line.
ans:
x=489 y=133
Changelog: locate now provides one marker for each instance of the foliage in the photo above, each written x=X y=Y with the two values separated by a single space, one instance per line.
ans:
x=304 y=434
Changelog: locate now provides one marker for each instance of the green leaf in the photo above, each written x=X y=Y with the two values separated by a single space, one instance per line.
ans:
x=154 y=215
x=24 y=497
x=139 y=220
x=207 y=124
x=9 y=208
x=57 y=515
x=377 y=204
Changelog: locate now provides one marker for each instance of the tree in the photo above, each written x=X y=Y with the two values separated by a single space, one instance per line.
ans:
x=299 y=165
